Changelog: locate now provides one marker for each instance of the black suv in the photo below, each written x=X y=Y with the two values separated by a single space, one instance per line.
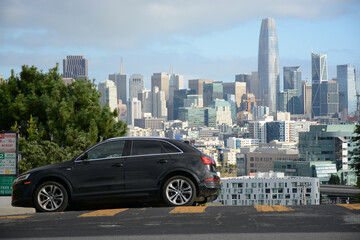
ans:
x=124 y=169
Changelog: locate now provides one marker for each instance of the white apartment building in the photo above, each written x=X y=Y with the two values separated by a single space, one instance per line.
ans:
x=237 y=143
x=271 y=188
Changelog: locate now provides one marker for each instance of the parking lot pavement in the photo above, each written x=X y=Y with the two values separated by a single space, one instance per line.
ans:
x=7 y=210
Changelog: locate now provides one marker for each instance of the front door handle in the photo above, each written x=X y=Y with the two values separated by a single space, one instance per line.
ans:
x=117 y=165
x=163 y=161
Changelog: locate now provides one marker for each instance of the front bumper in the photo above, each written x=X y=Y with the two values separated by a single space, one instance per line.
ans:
x=21 y=195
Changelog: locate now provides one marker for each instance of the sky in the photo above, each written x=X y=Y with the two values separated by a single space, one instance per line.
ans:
x=211 y=39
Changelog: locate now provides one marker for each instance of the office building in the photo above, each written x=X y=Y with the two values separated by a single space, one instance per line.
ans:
x=197 y=85
x=238 y=89
x=133 y=110
x=329 y=143
x=120 y=82
x=329 y=99
x=159 y=109
x=75 y=67
x=145 y=96
x=136 y=85
x=162 y=81
x=212 y=91
x=180 y=96
x=108 y=96
x=319 y=72
x=268 y=64
x=306 y=98
x=270 y=188
x=292 y=85
x=246 y=78
x=346 y=79
x=222 y=112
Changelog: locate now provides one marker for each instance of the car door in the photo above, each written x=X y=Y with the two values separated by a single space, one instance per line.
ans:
x=145 y=165
x=100 y=171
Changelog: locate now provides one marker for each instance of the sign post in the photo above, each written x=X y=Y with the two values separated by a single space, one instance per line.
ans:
x=9 y=151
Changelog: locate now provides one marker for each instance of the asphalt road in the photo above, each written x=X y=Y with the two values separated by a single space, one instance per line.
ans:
x=213 y=222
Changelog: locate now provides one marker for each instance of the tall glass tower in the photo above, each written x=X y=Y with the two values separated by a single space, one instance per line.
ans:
x=268 y=64
x=346 y=78
x=319 y=74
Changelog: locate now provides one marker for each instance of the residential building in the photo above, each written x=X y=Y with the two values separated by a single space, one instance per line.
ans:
x=268 y=64
x=282 y=131
x=75 y=67
x=269 y=189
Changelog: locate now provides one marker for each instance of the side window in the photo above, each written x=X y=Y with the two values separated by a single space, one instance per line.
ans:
x=143 y=147
x=107 y=150
x=170 y=148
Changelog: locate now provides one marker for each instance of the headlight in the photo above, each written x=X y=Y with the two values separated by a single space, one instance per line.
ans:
x=22 y=178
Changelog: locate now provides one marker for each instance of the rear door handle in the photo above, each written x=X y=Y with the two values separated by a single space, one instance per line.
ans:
x=117 y=165
x=163 y=161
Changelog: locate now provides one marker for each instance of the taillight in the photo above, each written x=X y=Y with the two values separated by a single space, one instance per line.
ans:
x=208 y=161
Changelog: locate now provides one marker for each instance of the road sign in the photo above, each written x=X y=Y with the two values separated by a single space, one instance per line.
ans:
x=8 y=161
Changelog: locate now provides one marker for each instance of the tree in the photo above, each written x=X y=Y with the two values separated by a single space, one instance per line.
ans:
x=50 y=115
x=334 y=179
x=355 y=153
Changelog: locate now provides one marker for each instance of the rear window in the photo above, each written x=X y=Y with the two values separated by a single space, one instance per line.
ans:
x=170 y=148
x=144 y=147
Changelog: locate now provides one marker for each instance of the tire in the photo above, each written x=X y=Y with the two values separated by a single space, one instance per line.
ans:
x=51 y=197
x=179 y=191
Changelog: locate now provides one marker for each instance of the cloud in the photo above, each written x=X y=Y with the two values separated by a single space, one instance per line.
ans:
x=130 y=24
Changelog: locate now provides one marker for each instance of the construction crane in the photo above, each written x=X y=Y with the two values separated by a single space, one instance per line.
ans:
x=249 y=102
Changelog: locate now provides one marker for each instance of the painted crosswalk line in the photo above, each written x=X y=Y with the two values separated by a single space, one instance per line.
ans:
x=272 y=208
x=104 y=213
x=198 y=209
x=350 y=206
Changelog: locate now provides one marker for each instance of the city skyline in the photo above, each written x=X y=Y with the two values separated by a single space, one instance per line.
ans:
x=199 y=40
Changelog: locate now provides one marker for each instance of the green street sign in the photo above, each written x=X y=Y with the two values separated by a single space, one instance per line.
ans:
x=6 y=185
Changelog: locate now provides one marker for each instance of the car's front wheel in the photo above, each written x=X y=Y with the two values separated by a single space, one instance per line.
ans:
x=51 y=197
x=179 y=191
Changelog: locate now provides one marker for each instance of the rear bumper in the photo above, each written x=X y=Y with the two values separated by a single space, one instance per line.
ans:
x=209 y=190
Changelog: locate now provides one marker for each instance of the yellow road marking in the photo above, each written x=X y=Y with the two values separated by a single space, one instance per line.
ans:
x=14 y=217
x=198 y=209
x=272 y=208
x=350 y=206
x=102 y=213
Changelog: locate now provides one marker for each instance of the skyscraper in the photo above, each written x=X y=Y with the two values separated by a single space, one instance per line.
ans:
x=319 y=74
x=212 y=91
x=120 y=81
x=292 y=85
x=346 y=78
x=75 y=67
x=197 y=85
x=108 y=96
x=133 y=110
x=136 y=85
x=268 y=64
x=162 y=81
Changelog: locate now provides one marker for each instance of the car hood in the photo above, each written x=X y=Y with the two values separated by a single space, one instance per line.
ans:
x=50 y=166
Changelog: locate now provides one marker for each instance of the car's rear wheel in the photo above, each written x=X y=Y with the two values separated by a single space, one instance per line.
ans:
x=51 y=197
x=179 y=191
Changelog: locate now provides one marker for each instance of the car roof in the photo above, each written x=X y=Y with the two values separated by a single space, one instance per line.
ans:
x=136 y=138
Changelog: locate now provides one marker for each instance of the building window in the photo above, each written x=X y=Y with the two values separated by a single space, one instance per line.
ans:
x=274 y=196
x=261 y=185
x=234 y=196
x=287 y=196
x=294 y=190
x=248 y=196
x=240 y=185
x=253 y=185
x=308 y=190
x=274 y=190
